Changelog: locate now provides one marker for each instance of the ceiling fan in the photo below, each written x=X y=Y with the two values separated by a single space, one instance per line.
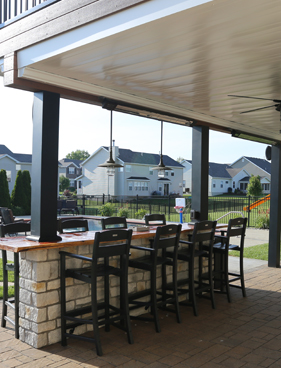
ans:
x=277 y=104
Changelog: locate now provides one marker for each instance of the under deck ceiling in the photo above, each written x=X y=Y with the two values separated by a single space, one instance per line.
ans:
x=185 y=63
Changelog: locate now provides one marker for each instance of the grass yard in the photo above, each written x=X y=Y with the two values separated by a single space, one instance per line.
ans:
x=10 y=279
x=254 y=252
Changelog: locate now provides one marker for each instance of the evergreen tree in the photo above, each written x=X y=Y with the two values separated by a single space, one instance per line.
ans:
x=18 y=196
x=5 y=200
x=254 y=187
x=26 y=181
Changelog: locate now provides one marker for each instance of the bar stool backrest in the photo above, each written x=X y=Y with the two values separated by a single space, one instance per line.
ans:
x=113 y=222
x=204 y=231
x=237 y=227
x=167 y=236
x=155 y=219
x=115 y=242
x=14 y=228
x=73 y=225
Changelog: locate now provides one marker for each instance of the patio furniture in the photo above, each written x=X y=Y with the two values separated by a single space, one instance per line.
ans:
x=114 y=222
x=67 y=206
x=72 y=225
x=11 y=229
x=166 y=239
x=117 y=245
x=7 y=216
x=236 y=228
x=203 y=233
x=155 y=219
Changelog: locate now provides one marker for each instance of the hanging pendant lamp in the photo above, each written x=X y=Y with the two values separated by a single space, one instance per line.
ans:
x=110 y=163
x=161 y=168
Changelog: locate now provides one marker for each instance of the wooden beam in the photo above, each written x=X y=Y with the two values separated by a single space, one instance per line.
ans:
x=56 y=19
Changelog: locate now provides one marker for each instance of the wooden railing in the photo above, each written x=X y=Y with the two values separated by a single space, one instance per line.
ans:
x=11 y=10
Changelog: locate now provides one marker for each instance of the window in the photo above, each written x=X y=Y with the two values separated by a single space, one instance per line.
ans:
x=160 y=188
x=172 y=173
x=18 y=167
x=120 y=169
x=150 y=171
x=221 y=184
x=72 y=183
x=183 y=183
x=80 y=184
x=226 y=182
x=265 y=186
x=136 y=185
x=9 y=175
x=233 y=185
x=128 y=168
x=130 y=185
x=166 y=173
x=214 y=184
x=71 y=170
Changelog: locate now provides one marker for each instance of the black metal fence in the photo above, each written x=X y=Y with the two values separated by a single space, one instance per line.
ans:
x=222 y=208
x=15 y=9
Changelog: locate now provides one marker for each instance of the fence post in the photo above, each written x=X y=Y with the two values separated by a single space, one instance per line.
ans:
x=249 y=202
x=103 y=198
x=137 y=203
x=169 y=204
x=150 y=206
x=83 y=204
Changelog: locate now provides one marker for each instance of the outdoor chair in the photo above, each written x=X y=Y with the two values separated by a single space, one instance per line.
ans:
x=222 y=276
x=13 y=230
x=155 y=219
x=116 y=243
x=113 y=222
x=8 y=217
x=203 y=233
x=166 y=239
x=72 y=226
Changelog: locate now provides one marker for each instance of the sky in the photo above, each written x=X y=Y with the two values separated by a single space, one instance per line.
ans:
x=86 y=127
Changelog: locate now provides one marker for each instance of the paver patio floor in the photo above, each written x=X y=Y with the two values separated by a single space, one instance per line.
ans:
x=245 y=333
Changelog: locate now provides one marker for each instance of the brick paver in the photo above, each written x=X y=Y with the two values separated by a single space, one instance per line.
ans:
x=243 y=334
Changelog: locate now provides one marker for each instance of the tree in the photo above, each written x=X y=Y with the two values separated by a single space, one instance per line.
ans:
x=5 y=200
x=78 y=155
x=180 y=159
x=64 y=183
x=26 y=182
x=18 y=196
x=254 y=187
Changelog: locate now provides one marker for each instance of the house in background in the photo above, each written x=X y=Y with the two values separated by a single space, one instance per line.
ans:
x=136 y=177
x=255 y=166
x=71 y=169
x=12 y=163
x=224 y=177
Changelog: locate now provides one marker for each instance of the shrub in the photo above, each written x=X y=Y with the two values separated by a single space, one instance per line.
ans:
x=64 y=183
x=18 y=211
x=123 y=212
x=140 y=213
x=5 y=200
x=229 y=190
x=26 y=182
x=18 y=196
x=67 y=193
x=107 y=209
x=262 y=222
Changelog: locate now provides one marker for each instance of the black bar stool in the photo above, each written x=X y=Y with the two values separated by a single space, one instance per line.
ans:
x=11 y=229
x=116 y=243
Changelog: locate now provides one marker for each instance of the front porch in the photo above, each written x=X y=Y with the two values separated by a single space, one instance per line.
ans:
x=245 y=333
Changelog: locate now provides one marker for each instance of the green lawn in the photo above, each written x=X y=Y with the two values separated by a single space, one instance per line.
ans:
x=10 y=279
x=255 y=252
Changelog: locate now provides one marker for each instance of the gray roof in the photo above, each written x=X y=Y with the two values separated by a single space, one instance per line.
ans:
x=219 y=170
x=152 y=159
x=138 y=178
x=21 y=157
x=246 y=178
x=261 y=163
x=232 y=172
x=68 y=161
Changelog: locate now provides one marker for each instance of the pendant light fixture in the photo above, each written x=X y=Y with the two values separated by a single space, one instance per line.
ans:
x=110 y=164
x=161 y=168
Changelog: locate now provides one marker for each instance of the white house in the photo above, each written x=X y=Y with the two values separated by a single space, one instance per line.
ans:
x=136 y=177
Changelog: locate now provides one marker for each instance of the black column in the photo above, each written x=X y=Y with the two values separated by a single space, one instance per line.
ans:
x=275 y=208
x=44 y=180
x=200 y=170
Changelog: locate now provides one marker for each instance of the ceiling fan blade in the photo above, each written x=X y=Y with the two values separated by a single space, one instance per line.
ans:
x=256 y=98
x=261 y=108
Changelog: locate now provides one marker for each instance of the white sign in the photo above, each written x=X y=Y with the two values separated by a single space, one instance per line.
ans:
x=180 y=202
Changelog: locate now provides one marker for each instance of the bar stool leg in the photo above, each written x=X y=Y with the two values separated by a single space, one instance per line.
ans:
x=5 y=289
x=17 y=292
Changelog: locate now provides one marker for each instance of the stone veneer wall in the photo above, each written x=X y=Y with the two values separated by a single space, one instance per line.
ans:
x=39 y=308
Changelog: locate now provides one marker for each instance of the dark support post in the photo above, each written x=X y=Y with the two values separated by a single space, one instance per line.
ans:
x=45 y=167
x=275 y=208
x=200 y=170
